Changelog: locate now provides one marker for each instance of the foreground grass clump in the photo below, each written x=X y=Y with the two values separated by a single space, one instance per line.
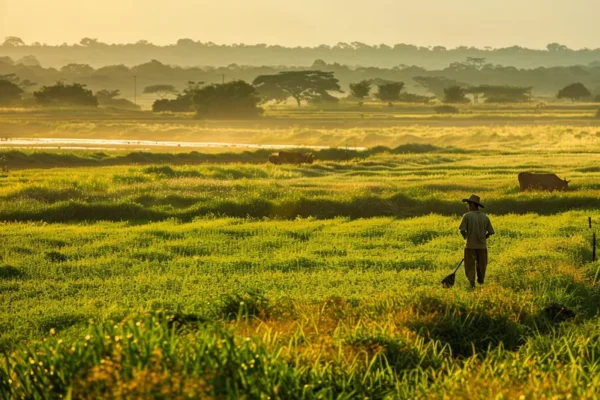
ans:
x=158 y=356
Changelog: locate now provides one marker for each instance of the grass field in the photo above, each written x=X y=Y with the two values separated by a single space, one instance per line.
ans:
x=219 y=276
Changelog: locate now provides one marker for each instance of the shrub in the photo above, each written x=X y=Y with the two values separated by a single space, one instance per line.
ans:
x=446 y=109
x=66 y=95
x=235 y=99
x=414 y=98
x=251 y=303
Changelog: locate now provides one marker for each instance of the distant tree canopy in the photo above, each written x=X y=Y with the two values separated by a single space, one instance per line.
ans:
x=13 y=41
x=389 y=92
x=236 y=99
x=546 y=81
x=301 y=85
x=22 y=83
x=61 y=94
x=77 y=69
x=194 y=52
x=454 y=95
x=160 y=90
x=360 y=90
x=574 y=92
x=29 y=61
x=499 y=94
x=477 y=62
x=10 y=92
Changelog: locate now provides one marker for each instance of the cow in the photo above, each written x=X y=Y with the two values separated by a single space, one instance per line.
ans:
x=289 y=157
x=550 y=182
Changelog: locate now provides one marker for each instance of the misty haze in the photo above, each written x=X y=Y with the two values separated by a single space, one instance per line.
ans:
x=310 y=200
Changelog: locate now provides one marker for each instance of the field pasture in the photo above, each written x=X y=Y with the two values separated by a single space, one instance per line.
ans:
x=191 y=273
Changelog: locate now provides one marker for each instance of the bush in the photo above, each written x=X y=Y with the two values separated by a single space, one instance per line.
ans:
x=180 y=104
x=455 y=94
x=251 y=303
x=446 y=109
x=10 y=92
x=414 y=98
x=235 y=99
x=66 y=95
x=598 y=113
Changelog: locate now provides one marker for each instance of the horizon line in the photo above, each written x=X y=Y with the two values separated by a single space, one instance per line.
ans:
x=336 y=45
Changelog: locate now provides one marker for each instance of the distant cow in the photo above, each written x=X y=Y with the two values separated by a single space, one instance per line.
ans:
x=288 y=157
x=550 y=182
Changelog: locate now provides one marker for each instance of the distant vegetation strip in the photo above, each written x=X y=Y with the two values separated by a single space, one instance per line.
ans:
x=196 y=52
x=16 y=159
x=364 y=206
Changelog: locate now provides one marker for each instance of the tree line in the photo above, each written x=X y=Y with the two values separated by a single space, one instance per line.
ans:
x=194 y=52
x=242 y=100
x=543 y=81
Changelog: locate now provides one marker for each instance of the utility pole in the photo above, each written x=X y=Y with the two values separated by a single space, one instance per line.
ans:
x=135 y=90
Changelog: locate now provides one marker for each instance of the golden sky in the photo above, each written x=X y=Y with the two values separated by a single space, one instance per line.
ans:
x=496 y=23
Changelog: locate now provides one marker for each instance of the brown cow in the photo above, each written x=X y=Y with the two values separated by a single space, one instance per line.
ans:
x=550 y=182
x=289 y=157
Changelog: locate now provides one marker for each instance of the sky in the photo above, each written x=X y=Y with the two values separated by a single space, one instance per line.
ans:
x=450 y=23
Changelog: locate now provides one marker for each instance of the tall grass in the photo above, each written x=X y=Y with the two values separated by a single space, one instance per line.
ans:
x=165 y=280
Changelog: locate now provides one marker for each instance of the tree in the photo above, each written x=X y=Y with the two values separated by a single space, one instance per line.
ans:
x=553 y=47
x=77 y=69
x=29 y=61
x=13 y=41
x=389 y=92
x=184 y=101
x=23 y=84
x=61 y=94
x=574 y=92
x=6 y=61
x=108 y=98
x=360 y=90
x=436 y=84
x=10 y=92
x=301 y=85
x=499 y=93
x=455 y=94
x=236 y=99
x=89 y=42
x=160 y=90
x=477 y=62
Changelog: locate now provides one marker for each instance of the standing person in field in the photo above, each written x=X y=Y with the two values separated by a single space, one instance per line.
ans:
x=476 y=228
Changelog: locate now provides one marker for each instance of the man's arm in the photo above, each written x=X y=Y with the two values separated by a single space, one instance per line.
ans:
x=489 y=229
x=463 y=227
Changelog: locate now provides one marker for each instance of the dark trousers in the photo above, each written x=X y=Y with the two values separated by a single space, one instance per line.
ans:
x=475 y=264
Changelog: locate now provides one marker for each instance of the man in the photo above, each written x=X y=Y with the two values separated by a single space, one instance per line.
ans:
x=476 y=228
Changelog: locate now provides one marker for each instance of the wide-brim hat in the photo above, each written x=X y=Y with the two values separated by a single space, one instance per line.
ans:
x=475 y=200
